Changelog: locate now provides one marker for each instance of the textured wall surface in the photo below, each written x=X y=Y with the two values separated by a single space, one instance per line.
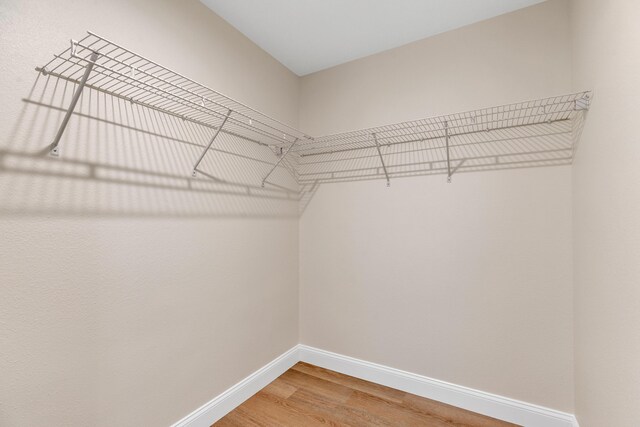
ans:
x=128 y=296
x=469 y=282
x=606 y=214
x=514 y=57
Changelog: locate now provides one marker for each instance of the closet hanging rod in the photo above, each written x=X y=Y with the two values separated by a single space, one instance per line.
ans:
x=314 y=178
x=295 y=132
x=149 y=91
x=117 y=71
x=432 y=138
x=198 y=99
x=241 y=108
x=523 y=113
x=99 y=64
x=436 y=148
x=390 y=134
x=155 y=108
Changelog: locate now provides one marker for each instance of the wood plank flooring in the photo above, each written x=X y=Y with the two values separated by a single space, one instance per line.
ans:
x=307 y=395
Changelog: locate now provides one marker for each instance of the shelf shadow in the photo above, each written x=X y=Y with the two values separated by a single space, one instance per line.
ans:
x=121 y=159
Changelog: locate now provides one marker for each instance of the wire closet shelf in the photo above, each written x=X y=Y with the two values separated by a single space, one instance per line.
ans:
x=541 y=132
x=97 y=63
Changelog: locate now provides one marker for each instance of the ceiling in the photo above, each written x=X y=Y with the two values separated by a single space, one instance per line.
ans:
x=311 y=35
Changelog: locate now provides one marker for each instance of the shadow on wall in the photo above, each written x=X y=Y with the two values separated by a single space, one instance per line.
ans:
x=529 y=134
x=123 y=159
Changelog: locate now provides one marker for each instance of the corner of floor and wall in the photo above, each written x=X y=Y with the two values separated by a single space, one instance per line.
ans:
x=512 y=292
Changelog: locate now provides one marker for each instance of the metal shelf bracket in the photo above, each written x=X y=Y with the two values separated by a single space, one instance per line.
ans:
x=446 y=139
x=530 y=133
x=204 y=152
x=54 y=151
x=384 y=167
x=583 y=103
x=282 y=156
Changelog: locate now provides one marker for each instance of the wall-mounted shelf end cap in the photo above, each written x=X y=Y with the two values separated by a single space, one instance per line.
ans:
x=583 y=104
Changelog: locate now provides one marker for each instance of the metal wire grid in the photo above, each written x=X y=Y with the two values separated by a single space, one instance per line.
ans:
x=534 y=133
x=127 y=75
x=539 y=132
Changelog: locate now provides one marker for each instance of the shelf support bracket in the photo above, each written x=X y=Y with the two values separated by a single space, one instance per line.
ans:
x=76 y=96
x=583 y=103
x=446 y=140
x=384 y=167
x=204 y=152
x=279 y=161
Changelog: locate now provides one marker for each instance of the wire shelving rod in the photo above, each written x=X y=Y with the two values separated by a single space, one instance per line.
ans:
x=532 y=133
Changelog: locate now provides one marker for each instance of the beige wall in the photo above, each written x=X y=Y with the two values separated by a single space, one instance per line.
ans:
x=514 y=57
x=606 y=213
x=469 y=282
x=123 y=302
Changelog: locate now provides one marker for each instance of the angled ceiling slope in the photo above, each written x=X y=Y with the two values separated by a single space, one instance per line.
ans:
x=310 y=35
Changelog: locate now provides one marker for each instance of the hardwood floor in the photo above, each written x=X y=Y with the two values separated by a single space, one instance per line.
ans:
x=307 y=395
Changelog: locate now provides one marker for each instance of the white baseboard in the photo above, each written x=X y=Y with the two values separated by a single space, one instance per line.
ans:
x=503 y=408
x=224 y=403
x=492 y=405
